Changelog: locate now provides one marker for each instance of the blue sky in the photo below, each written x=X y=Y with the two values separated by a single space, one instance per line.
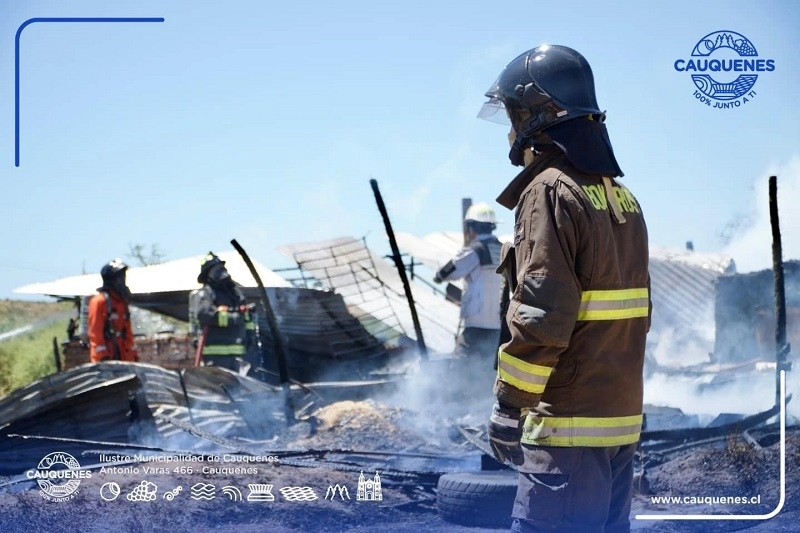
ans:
x=265 y=121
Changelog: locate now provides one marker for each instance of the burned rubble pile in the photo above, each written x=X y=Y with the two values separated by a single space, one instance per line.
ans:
x=208 y=411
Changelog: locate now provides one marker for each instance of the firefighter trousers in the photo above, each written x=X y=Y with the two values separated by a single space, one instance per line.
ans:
x=574 y=490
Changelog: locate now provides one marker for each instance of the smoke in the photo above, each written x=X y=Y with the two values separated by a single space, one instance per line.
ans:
x=672 y=347
x=682 y=373
x=708 y=394
x=751 y=246
x=441 y=394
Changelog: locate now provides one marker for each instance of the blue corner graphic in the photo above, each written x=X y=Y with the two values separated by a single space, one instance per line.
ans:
x=16 y=58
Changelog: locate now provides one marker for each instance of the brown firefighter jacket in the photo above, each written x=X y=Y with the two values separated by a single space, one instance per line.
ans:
x=580 y=309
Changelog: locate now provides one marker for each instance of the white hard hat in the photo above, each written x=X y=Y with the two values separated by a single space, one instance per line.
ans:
x=480 y=212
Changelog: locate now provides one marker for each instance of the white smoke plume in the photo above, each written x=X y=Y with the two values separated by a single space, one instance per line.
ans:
x=713 y=391
x=444 y=393
x=751 y=248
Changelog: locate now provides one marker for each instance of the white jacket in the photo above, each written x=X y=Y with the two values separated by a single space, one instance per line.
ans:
x=476 y=264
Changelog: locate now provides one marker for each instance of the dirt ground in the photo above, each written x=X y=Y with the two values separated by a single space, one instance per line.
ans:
x=724 y=469
x=702 y=476
x=399 y=510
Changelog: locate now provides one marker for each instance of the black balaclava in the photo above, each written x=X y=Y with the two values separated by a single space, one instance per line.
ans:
x=586 y=145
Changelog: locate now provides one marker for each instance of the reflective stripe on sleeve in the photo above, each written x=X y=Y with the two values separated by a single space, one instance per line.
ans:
x=223 y=349
x=581 y=431
x=222 y=318
x=524 y=376
x=614 y=304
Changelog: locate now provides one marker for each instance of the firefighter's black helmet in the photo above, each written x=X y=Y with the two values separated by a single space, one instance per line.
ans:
x=546 y=85
x=209 y=262
x=112 y=270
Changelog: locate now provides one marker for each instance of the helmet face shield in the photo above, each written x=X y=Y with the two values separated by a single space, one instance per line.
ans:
x=494 y=111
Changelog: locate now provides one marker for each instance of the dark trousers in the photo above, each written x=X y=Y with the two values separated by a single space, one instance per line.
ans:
x=575 y=490
x=479 y=343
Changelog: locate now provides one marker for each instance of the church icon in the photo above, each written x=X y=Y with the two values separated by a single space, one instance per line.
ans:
x=369 y=490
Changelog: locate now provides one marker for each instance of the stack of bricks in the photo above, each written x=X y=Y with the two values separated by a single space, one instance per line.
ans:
x=170 y=352
x=73 y=354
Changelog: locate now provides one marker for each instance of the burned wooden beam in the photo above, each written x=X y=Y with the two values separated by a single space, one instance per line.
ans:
x=781 y=347
x=692 y=434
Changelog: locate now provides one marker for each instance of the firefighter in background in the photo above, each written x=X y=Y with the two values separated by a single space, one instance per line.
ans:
x=222 y=315
x=476 y=264
x=568 y=392
x=109 y=329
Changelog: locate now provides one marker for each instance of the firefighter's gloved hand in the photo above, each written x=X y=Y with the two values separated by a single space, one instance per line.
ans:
x=505 y=432
x=444 y=272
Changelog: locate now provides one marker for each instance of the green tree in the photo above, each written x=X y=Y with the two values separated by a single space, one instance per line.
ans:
x=139 y=252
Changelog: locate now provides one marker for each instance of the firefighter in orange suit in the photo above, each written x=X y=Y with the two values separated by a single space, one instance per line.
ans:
x=110 y=332
x=569 y=378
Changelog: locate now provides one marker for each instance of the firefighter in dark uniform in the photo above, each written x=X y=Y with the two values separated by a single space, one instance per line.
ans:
x=222 y=316
x=476 y=264
x=569 y=379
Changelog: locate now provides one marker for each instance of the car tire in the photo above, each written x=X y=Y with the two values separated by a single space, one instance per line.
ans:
x=478 y=499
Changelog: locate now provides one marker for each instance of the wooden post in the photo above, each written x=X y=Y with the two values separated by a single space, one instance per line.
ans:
x=466 y=203
x=401 y=269
x=781 y=348
x=280 y=348
x=56 y=354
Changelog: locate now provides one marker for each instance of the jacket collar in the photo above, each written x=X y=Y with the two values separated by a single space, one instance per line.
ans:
x=551 y=156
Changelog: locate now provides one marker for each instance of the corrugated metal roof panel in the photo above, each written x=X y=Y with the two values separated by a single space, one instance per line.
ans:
x=371 y=285
x=177 y=275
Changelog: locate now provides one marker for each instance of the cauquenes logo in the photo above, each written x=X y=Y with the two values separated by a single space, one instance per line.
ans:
x=724 y=66
x=59 y=475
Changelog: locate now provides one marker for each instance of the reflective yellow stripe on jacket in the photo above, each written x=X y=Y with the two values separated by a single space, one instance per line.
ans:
x=614 y=304
x=222 y=318
x=581 y=431
x=524 y=376
x=223 y=349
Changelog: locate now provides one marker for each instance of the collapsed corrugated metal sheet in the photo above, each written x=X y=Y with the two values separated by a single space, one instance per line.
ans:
x=683 y=285
x=117 y=402
x=318 y=329
x=374 y=291
x=434 y=249
x=682 y=291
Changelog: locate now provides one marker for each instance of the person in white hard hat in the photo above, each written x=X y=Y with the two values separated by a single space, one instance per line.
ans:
x=476 y=264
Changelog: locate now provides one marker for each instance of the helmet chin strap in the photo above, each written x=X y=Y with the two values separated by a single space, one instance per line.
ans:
x=522 y=152
x=523 y=144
